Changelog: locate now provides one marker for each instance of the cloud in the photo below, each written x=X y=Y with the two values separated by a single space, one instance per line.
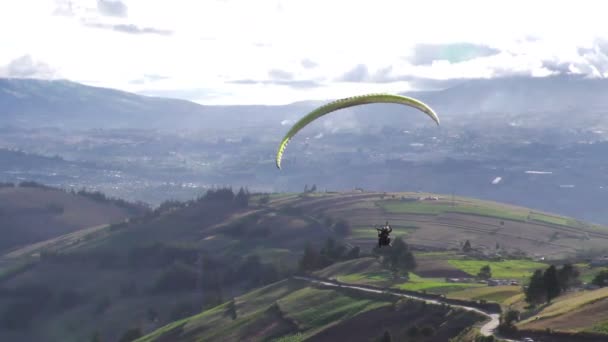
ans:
x=149 y=78
x=26 y=67
x=557 y=66
x=359 y=73
x=290 y=83
x=112 y=8
x=308 y=64
x=129 y=28
x=594 y=59
x=277 y=74
x=64 y=8
x=425 y=54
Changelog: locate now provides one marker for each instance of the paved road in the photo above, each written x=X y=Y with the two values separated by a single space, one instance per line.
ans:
x=487 y=329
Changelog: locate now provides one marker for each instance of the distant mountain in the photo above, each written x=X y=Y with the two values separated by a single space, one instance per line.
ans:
x=30 y=103
x=42 y=103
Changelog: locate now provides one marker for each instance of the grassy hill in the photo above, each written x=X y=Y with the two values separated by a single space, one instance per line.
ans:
x=292 y=310
x=32 y=213
x=187 y=257
x=446 y=223
x=579 y=311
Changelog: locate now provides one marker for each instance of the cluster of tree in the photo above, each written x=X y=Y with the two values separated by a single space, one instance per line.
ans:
x=248 y=227
x=330 y=253
x=161 y=254
x=313 y=188
x=416 y=331
x=241 y=198
x=398 y=258
x=601 y=279
x=547 y=285
x=210 y=275
x=32 y=184
x=132 y=208
x=507 y=321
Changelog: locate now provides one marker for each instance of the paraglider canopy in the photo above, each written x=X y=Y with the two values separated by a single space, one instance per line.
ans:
x=350 y=102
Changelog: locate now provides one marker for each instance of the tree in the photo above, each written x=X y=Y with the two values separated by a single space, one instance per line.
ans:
x=264 y=200
x=242 y=198
x=485 y=272
x=467 y=247
x=427 y=331
x=601 y=279
x=310 y=259
x=386 y=337
x=398 y=258
x=413 y=331
x=567 y=276
x=551 y=281
x=342 y=227
x=535 y=293
x=510 y=317
x=313 y=188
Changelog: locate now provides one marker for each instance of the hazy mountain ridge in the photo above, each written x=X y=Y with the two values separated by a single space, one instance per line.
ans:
x=41 y=103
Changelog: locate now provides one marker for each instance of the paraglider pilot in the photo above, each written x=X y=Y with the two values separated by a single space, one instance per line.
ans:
x=383 y=235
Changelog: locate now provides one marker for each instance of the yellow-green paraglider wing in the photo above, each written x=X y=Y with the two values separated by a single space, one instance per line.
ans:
x=350 y=102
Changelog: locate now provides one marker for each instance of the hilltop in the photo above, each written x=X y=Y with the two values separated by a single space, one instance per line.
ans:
x=187 y=257
x=31 y=212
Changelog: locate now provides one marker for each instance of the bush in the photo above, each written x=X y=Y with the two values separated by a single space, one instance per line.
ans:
x=131 y=335
x=427 y=331
x=343 y=227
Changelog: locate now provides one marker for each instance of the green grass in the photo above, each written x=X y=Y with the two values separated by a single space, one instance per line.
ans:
x=443 y=255
x=569 y=303
x=439 y=208
x=601 y=328
x=368 y=278
x=315 y=308
x=509 y=269
x=588 y=272
x=490 y=293
x=290 y=338
x=433 y=285
x=312 y=309
x=553 y=219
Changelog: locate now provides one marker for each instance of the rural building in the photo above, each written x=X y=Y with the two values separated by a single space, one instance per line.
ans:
x=502 y=282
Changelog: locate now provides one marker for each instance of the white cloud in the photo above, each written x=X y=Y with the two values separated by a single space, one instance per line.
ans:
x=216 y=42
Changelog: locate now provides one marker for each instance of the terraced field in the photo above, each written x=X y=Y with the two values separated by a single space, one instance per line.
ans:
x=447 y=223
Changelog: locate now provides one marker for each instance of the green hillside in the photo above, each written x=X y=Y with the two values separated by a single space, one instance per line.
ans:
x=185 y=258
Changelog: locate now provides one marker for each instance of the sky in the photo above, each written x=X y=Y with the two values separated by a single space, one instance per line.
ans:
x=282 y=51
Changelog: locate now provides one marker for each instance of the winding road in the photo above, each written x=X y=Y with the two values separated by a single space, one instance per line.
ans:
x=487 y=329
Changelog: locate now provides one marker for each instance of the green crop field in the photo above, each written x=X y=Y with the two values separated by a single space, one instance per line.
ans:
x=433 y=285
x=508 y=269
x=490 y=293
x=439 y=208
